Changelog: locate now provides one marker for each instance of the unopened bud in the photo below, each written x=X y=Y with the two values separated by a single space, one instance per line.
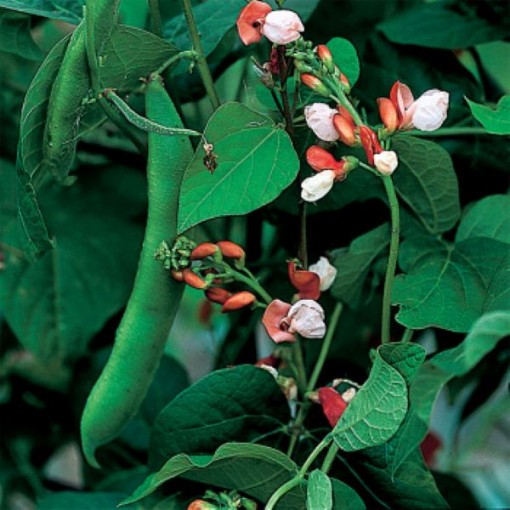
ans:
x=388 y=113
x=217 y=295
x=345 y=129
x=346 y=86
x=193 y=280
x=177 y=275
x=200 y=504
x=238 y=300
x=315 y=84
x=302 y=67
x=326 y=58
x=232 y=251
x=204 y=250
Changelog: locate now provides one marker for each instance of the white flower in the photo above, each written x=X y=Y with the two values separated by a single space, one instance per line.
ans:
x=319 y=117
x=282 y=27
x=429 y=110
x=386 y=162
x=306 y=317
x=317 y=186
x=326 y=271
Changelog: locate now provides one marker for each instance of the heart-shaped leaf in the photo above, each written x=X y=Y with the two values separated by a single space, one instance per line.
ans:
x=495 y=121
x=345 y=57
x=255 y=163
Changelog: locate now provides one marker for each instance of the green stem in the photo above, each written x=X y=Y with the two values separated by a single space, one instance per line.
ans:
x=191 y=54
x=155 y=16
x=342 y=100
x=281 y=491
x=297 y=356
x=392 y=260
x=326 y=344
x=253 y=284
x=330 y=458
x=408 y=335
x=448 y=131
x=315 y=453
x=203 y=68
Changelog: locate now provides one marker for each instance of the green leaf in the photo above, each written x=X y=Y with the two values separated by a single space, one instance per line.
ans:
x=319 y=491
x=231 y=404
x=345 y=57
x=406 y=358
x=376 y=413
x=55 y=305
x=345 y=497
x=131 y=54
x=412 y=486
x=354 y=263
x=434 y=26
x=425 y=180
x=253 y=469
x=80 y=500
x=31 y=162
x=69 y=11
x=496 y=122
x=487 y=218
x=435 y=373
x=451 y=287
x=15 y=35
x=256 y=162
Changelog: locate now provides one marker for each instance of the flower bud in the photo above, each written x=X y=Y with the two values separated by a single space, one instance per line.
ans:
x=386 y=162
x=177 y=275
x=302 y=67
x=193 y=280
x=282 y=27
x=316 y=187
x=217 y=295
x=315 y=84
x=325 y=56
x=238 y=300
x=388 y=114
x=203 y=250
x=200 y=504
x=319 y=117
x=370 y=143
x=320 y=159
x=346 y=86
x=231 y=250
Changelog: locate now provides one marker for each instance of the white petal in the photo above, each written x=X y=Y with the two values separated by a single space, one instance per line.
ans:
x=307 y=318
x=386 y=162
x=430 y=110
x=319 y=185
x=319 y=117
x=282 y=27
x=326 y=272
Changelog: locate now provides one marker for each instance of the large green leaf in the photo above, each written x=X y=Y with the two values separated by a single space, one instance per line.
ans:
x=495 y=121
x=131 y=54
x=434 y=26
x=80 y=500
x=30 y=163
x=376 y=413
x=69 y=11
x=345 y=497
x=354 y=263
x=230 y=404
x=407 y=358
x=435 y=373
x=412 y=486
x=256 y=162
x=15 y=35
x=253 y=469
x=487 y=218
x=319 y=491
x=55 y=305
x=451 y=287
x=425 y=180
x=345 y=57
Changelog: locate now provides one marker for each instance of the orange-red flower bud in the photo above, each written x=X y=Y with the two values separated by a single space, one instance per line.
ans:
x=193 y=280
x=320 y=159
x=238 y=300
x=315 y=84
x=217 y=295
x=203 y=250
x=200 y=504
x=370 y=143
x=388 y=114
x=345 y=128
x=333 y=405
x=231 y=250
x=325 y=56
x=345 y=83
x=177 y=275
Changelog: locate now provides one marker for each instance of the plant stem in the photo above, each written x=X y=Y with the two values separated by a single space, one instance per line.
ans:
x=392 y=260
x=315 y=453
x=330 y=457
x=203 y=68
x=191 y=54
x=408 y=335
x=326 y=344
x=297 y=356
x=448 y=131
x=155 y=17
x=253 y=284
x=281 y=491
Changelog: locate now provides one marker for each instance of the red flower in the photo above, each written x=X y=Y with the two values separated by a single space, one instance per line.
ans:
x=250 y=21
x=274 y=321
x=307 y=283
x=333 y=405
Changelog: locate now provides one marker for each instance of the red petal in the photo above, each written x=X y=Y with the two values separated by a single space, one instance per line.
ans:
x=320 y=159
x=250 y=20
x=333 y=405
x=307 y=283
x=275 y=312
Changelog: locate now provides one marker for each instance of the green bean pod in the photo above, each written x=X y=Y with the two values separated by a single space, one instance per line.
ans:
x=144 y=328
x=72 y=88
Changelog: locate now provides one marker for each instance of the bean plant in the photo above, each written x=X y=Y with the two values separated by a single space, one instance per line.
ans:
x=313 y=192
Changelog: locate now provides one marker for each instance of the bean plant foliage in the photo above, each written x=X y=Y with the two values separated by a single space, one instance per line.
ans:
x=245 y=248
